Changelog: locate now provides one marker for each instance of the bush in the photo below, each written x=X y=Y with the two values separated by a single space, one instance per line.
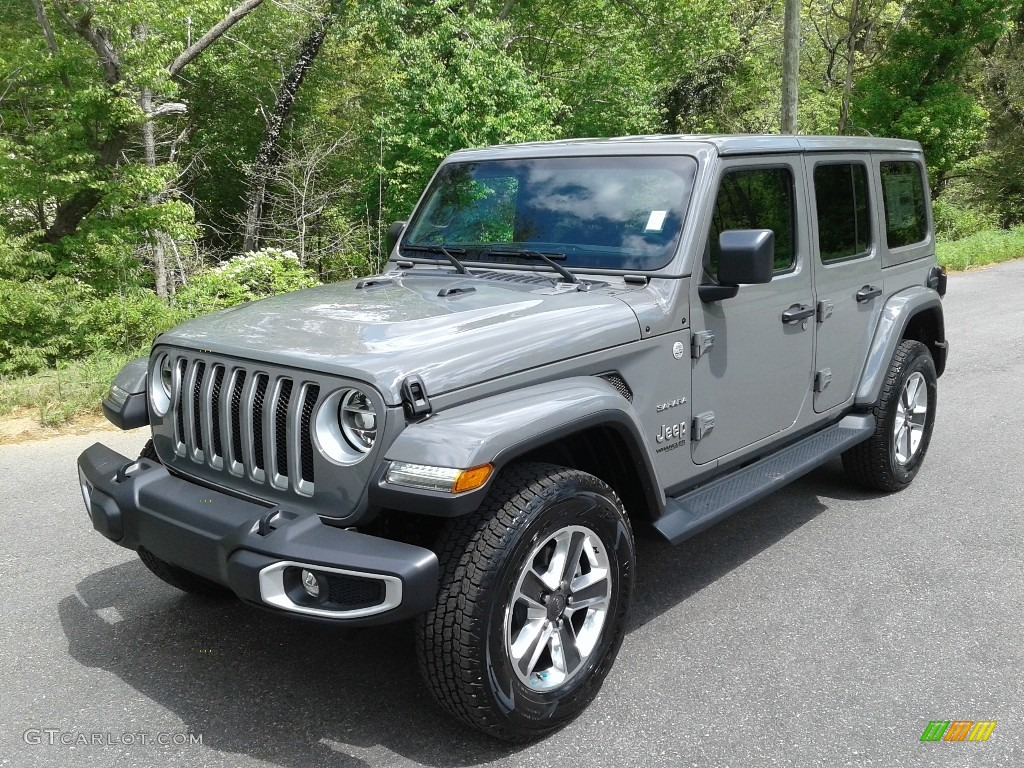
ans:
x=46 y=322
x=59 y=394
x=243 y=278
x=955 y=222
x=982 y=248
x=38 y=319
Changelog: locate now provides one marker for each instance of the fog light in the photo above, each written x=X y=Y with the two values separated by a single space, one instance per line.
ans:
x=310 y=583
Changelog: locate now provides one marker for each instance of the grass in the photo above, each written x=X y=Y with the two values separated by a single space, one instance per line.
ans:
x=76 y=388
x=989 y=247
x=57 y=396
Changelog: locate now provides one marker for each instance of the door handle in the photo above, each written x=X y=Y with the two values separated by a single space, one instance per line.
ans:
x=797 y=312
x=868 y=292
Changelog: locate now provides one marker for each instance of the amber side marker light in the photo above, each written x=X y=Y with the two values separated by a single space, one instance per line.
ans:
x=471 y=479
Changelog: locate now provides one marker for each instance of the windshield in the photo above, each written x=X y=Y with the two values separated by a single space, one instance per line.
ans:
x=601 y=212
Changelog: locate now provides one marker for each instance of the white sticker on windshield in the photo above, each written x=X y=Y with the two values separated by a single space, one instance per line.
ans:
x=656 y=221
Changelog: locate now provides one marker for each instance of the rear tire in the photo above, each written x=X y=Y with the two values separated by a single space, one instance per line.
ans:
x=904 y=417
x=535 y=590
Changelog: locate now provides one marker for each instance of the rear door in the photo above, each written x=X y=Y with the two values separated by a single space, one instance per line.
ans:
x=847 y=272
x=750 y=364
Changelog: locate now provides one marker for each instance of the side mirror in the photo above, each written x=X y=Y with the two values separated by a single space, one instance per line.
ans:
x=391 y=237
x=746 y=256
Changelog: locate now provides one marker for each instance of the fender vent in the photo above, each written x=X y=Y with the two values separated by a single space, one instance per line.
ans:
x=620 y=385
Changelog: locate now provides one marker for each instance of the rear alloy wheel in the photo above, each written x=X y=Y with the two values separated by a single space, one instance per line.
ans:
x=534 y=595
x=904 y=416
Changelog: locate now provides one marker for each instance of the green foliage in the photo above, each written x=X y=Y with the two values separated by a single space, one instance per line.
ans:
x=457 y=86
x=955 y=222
x=44 y=322
x=922 y=88
x=58 y=394
x=982 y=248
x=244 y=278
x=397 y=86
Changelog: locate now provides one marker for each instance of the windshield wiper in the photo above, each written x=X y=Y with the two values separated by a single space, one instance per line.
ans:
x=547 y=258
x=447 y=253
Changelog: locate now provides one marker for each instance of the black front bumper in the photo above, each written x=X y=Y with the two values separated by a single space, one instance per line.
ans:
x=256 y=551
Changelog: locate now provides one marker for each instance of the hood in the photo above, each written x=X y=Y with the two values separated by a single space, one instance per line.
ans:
x=405 y=325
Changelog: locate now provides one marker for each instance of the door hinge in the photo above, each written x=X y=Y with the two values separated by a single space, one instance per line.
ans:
x=703 y=423
x=700 y=343
x=825 y=308
x=822 y=379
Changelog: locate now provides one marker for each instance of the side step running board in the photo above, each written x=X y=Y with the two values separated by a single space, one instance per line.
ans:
x=692 y=512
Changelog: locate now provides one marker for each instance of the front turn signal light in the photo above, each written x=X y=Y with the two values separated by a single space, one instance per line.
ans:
x=471 y=479
x=441 y=479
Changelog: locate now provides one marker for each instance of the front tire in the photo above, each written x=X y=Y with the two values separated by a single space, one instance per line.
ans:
x=904 y=417
x=534 y=595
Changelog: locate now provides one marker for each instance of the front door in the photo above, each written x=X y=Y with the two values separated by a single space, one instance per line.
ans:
x=752 y=354
x=847 y=273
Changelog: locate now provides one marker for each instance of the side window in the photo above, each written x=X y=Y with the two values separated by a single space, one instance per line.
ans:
x=844 y=223
x=759 y=198
x=906 y=222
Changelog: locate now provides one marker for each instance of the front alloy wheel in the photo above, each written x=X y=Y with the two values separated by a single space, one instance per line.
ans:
x=558 y=609
x=532 y=607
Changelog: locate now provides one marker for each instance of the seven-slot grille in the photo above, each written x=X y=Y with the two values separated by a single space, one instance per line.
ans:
x=247 y=423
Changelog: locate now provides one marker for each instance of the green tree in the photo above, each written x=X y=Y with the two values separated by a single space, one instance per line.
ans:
x=82 y=142
x=922 y=88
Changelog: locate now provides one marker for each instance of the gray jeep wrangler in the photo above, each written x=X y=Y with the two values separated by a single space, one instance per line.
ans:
x=572 y=339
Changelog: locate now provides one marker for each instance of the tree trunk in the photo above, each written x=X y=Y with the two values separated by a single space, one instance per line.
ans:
x=70 y=212
x=790 y=66
x=851 y=52
x=269 y=155
x=149 y=154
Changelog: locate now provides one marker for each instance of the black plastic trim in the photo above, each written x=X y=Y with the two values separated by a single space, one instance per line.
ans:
x=414 y=398
x=374 y=282
x=216 y=535
x=132 y=415
x=424 y=502
x=937 y=280
x=710 y=292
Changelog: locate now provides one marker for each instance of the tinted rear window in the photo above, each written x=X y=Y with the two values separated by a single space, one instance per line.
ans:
x=906 y=221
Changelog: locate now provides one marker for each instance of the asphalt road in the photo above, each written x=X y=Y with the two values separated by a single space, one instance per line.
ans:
x=822 y=627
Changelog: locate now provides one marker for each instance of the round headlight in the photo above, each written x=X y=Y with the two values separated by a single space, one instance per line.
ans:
x=345 y=426
x=358 y=420
x=161 y=385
